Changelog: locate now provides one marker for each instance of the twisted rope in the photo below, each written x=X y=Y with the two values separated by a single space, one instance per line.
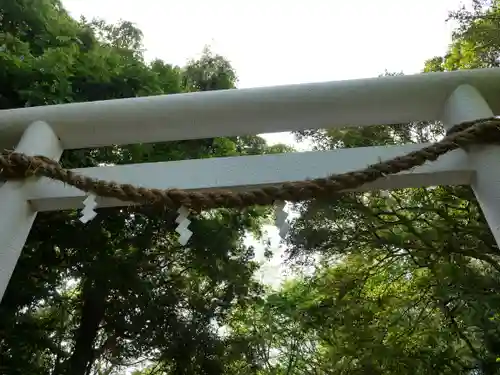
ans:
x=15 y=165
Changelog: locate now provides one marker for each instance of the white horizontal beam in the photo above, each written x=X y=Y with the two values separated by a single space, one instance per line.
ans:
x=374 y=101
x=247 y=172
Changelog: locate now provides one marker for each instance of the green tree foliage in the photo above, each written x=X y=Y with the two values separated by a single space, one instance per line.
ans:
x=476 y=41
x=401 y=283
x=97 y=298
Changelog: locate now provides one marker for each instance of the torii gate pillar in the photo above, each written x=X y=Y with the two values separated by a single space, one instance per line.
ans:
x=467 y=104
x=16 y=214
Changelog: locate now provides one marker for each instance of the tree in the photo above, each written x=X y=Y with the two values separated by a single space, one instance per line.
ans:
x=402 y=282
x=96 y=298
x=407 y=281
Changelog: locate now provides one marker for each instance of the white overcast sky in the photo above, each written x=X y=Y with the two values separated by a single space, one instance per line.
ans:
x=274 y=42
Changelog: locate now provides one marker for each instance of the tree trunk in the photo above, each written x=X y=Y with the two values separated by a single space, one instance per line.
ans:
x=93 y=310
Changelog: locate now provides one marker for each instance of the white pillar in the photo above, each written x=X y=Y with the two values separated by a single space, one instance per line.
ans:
x=16 y=213
x=467 y=104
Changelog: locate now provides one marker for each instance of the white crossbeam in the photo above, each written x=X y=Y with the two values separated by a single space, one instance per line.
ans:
x=246 y=172
x=384 y=100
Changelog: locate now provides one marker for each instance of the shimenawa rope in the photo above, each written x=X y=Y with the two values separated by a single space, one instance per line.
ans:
x=15 y=165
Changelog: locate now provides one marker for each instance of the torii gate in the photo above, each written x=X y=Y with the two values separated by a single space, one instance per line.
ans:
x=451 y=97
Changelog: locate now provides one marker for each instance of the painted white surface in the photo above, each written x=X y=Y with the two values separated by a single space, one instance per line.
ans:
x=16 y=213
x=466 y=104
x=245 y=172
x=382 y=100
x=279 y=51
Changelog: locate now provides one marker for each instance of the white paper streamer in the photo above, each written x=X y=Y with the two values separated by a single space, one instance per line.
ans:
x=184 y=233
x=88 y=213
x=281 y=219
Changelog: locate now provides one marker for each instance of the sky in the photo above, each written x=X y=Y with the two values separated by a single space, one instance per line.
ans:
x=273 y=42
x=276 y=42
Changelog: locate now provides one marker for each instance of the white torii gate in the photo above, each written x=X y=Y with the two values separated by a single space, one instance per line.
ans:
x=451 y=97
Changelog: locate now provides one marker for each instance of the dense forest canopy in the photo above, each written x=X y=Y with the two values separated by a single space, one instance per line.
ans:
x=405 y=284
